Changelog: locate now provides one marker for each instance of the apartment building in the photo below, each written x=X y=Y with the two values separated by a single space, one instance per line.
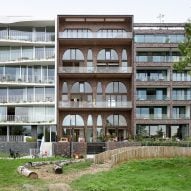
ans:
x=95 y=77
x=27 y=80
x=162 y=94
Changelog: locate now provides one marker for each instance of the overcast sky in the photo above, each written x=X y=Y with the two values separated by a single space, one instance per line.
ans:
x=143 y=10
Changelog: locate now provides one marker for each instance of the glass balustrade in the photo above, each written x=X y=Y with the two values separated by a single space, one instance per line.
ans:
x=152 y=97
x=26 y=79
x=95 y=69
x=30 y=34
x=26 y=53
x=100 y=104
x=103 y=33
x=159 y=38
x=152 y=116
x=26 y=119
x=157 y=58
x=27 y=98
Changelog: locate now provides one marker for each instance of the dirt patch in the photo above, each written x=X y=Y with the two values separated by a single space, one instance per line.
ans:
x=46 y=173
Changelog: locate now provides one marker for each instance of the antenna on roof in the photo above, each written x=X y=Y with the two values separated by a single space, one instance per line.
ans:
x=161 y=18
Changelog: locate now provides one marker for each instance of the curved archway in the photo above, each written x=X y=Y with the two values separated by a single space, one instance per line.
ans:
x=107 y=54
x=116 y=87
x=116 y=120
x=73 y=121
x=73 y=54
x=81 y=87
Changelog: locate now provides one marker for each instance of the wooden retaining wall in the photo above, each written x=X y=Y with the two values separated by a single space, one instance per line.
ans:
x=150 y=152
x=107 y=155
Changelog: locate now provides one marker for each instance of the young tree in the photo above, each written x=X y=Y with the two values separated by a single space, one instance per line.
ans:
x=185 y=51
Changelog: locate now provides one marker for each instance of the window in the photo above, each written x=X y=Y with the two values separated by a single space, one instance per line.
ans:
x=73 y=54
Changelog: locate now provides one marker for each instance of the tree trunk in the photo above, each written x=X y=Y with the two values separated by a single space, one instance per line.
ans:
x=26 y=172
x=57 y=169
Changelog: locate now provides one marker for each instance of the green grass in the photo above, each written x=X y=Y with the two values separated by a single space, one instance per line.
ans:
x=76 y=166
x=11 y=180
x=145 y=175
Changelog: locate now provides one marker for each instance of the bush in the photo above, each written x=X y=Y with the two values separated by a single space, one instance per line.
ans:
x=31 y=139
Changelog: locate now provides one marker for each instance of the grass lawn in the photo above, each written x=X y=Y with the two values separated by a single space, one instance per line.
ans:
x=145 y=175
x=11 y=180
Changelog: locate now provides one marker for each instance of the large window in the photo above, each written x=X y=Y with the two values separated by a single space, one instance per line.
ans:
x=116 y=120
x=107 y=54
x=73 y=120
x=151 y=112
x=73 y=54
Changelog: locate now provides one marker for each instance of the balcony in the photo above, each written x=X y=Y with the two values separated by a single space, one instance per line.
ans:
x=25 y=79
x=153 y=116
x=160 y=119
x=96 y=71
x=153 y=100
x=101 y=34
x=20 y=36
x=152 y=97
x=101 y=37
x=158 y=59
x=95 y=105
x=180 y=116
x=27 y=100
x=26 y=119
x=150 y=78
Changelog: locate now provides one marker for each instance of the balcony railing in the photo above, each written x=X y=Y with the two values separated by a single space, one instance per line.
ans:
x=95 y=69
x=27 y=36
x=26 y=79
x=152 y=97
x=153 y=116
x=27 y=98
x=87 y=34
x=180 y=116
x=103 y=104
x=157 y=58
x=181 y=97
x=12 y=138
x=149 y=78
x=26 y=119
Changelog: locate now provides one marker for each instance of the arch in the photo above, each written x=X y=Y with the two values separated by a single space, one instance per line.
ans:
x=81 y=87
x=90 y=55
x=73 y=120
x=124 y=55
x=99 y=121
x=90 y=120
x=65 y=87
x=107 y=54
x=116 y=87
x=73 y=54
x=116 y=120
x=99 y=88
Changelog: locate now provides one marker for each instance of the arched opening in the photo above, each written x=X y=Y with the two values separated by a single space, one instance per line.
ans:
x=99 y=96
x=124 y=59
x=100 y=132
x=116 y=94
x=89 y=134
x=90 y=61
x=107 y=58
x=73 y=127
x=116 y=127
x=81 y=92
x=65 y=91
x=73 y=58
